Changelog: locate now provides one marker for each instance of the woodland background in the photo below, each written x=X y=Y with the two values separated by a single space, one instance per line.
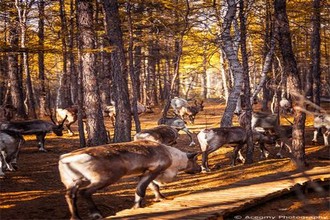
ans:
x=54 y=54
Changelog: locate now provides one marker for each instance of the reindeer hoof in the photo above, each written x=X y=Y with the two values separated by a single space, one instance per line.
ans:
x=96 y=215
x=42 y=150
x=136 y=206
x=159 y=198
x=205 y=170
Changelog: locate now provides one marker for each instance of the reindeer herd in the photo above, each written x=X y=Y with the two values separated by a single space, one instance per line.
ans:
x=151 y=156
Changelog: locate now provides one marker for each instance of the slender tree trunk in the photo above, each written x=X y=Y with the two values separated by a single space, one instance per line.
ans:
x=64 y=93
x=131 y=69
x=71 y=66
x=246 y=90
x=293 y=82
x=204 y=74
x=22 y=8
x=123 y=125
x=96 y=133
x=15 y=84
x=315 y=70
x=41 y=61
x=235 y=66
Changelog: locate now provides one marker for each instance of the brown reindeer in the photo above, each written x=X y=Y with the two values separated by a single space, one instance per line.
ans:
x=85 y=171
x=211 y=140
x=162 y=134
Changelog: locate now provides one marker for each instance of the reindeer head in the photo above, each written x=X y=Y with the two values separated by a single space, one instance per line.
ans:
x=58 y=129
x=192 y=165
x=193 y=110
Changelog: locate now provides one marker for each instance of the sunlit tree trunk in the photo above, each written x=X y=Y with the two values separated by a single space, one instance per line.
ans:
x=131 y=69
x=71 y=66
x=43 y=106
x=293 y=82
x=315 y=69
x=64 y=93
x=246 y=89
x=96 y=133
x=22 y=8
x=123 y=125
x=235 y=65
x=15 y=82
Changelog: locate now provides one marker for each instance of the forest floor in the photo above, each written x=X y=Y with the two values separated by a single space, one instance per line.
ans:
x=35 y=191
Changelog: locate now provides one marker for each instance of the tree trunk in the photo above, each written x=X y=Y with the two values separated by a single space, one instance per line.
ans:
x=315 y=70
x=293 y=82
x=71 y=66
x=64 y=93
x=131 y=69
x=96 y=133
x=15 y=84
x=22 y=8
x=43 y=106
x=235 y=66
x=123 y=125
x=246 y=91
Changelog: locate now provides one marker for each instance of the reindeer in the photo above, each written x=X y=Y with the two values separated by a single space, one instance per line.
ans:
x=110 y=110
x=85 y=171
x=162 y=134
x=179 y=124
x=10 y=143
x=268 y=124
x=322 y=125
x=212 y=139
x=37 y=127
x=71 y=114
x=182 y=108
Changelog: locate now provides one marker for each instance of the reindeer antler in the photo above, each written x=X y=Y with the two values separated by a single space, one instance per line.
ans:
x=63 y=120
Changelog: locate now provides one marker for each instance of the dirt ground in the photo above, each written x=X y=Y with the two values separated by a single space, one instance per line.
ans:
x=35 y=191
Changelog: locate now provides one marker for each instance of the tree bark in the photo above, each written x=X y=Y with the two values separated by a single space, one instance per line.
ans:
x=246 y=89
x=15 y=83
x=315 y=69
x=22 y=8
x=131 y=69
x=96 y=133
x=64 y=93
x=235 y=66
x=293 y=82
x=123 y=125
x=43 y=106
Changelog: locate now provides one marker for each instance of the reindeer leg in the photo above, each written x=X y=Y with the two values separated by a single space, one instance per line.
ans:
x=87 y=192
x=71 y=133
x=155 y=189
x=142 y=186
x=41 y=142
x=316 y=132
x=1 y=172
x=326 y=135
x=8 y=166
x=236 y=150
x=205 y=164
x=71 y=199
x=264 y=151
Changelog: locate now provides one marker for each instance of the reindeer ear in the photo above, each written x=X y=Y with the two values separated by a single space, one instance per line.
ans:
x=192 y=155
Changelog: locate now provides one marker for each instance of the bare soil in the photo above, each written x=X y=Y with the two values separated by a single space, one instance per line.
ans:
x=35 y=191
